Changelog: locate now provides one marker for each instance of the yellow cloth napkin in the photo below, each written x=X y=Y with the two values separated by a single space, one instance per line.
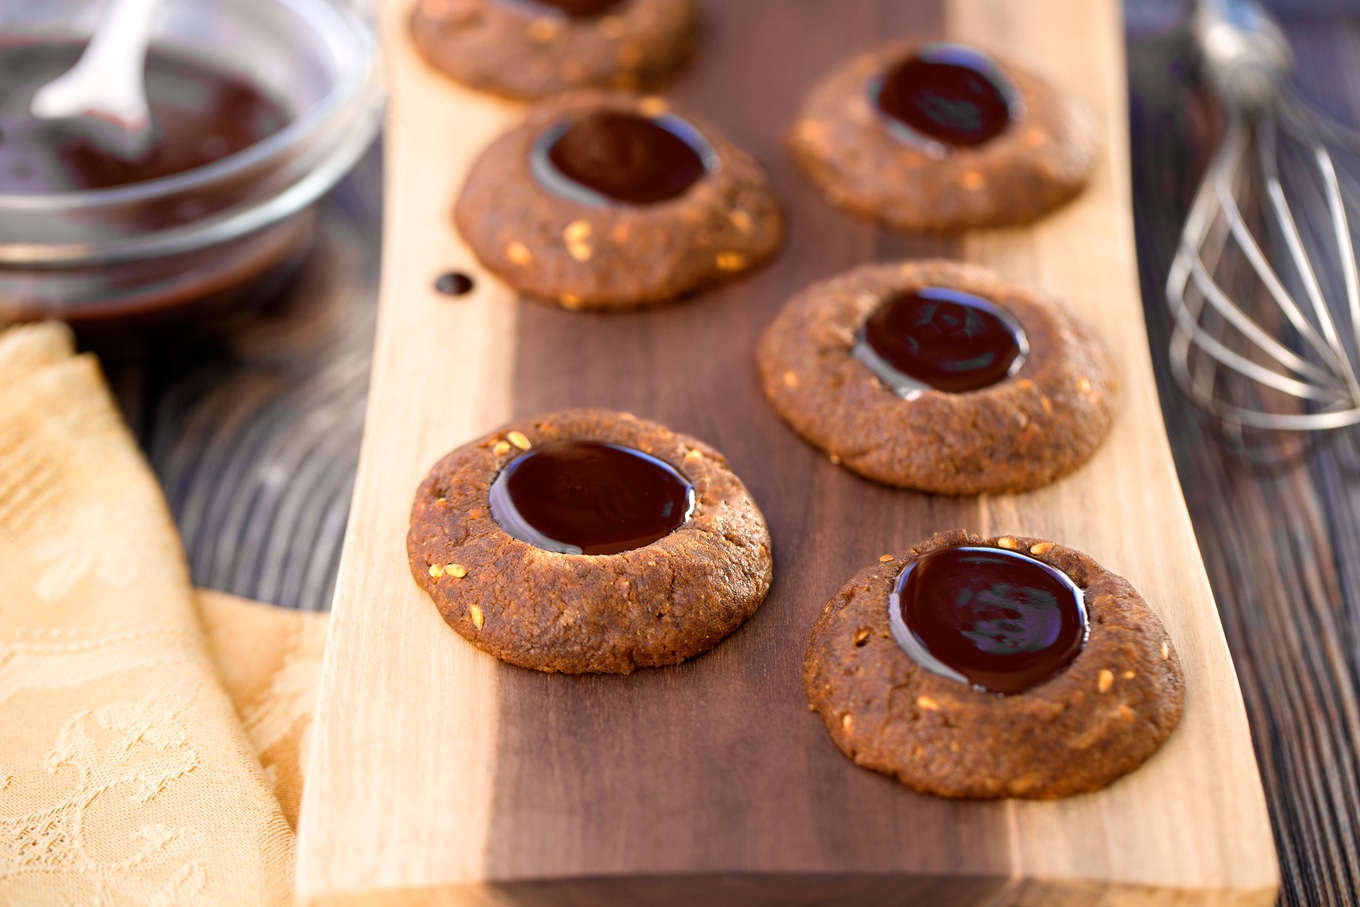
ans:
x=269 y=660
x=126 y=776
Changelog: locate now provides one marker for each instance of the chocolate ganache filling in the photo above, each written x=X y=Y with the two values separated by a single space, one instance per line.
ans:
x=940 y=338
x=588 y=497
x=608 y=156
x=579 y=9
x=948 y=94
x=1000 y=621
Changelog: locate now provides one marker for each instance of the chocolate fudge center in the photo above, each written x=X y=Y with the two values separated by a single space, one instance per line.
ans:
x=588 y=497
x=950 y=94
x=997 y=620
x=940 y=338
x=628 y=158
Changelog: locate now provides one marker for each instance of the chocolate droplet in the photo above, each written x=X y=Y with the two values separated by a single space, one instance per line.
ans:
x=622 y=157
x=453 y=283
x=588 y=497
x=992 y=618
x=950 y=94
x=941 y=338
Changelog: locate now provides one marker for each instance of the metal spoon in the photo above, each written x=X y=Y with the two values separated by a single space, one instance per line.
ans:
x=106 y=87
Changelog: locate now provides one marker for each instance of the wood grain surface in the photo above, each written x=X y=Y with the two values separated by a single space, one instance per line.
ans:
x=1278 y=518
x=253 y=424
x=442 y=776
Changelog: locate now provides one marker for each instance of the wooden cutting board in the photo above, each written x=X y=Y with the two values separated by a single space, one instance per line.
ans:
x=441 y=776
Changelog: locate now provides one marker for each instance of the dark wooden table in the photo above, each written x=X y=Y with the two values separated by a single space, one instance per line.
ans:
x=255 y=432
x=1281 y=542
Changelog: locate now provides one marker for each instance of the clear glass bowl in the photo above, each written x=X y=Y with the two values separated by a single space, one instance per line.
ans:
x=242 y=222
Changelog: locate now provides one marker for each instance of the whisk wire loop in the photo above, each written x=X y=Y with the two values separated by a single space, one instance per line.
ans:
x=1303 y=265
x=1336 y=204
x=1235 y=314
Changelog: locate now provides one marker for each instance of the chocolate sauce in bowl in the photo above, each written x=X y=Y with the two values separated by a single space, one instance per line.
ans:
x=940 y=338
x=622 y=157
x=998 y=620
x=950 y=94
x=202 y=115
x=588 y=497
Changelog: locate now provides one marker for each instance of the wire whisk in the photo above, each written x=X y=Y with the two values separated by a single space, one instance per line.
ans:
x=1264 y=286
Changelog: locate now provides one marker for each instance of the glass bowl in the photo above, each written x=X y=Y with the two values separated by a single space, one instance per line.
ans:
x=207 y=237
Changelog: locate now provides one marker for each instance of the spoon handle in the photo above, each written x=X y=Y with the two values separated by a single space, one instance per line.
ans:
x=108 y=81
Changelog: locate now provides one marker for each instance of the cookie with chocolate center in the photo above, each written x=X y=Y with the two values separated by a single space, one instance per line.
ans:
x=589 y=541
x=939 y=376
x=988 y=668
x=535 y=48
x=607 y=200
x=942 y=137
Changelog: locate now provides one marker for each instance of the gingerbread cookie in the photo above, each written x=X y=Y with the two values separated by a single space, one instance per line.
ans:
x=612 y=201
x=939 y=376
x=941 y=137
x=535 y=48
x=589 y=541
x=987 y=668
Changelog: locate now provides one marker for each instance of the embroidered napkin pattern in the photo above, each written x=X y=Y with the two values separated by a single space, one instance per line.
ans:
x=126 y=777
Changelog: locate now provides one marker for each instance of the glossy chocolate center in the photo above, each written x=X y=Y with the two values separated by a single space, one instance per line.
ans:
x=202 y=115
x=992 y=618
x=581 y=9
x=949 y=93
x=587 y=497
x=940 y=338
x=627 y=158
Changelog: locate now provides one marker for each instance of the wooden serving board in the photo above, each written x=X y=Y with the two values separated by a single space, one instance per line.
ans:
x=441 y=776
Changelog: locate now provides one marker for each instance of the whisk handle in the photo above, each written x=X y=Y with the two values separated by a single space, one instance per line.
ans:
x=1247 y=56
